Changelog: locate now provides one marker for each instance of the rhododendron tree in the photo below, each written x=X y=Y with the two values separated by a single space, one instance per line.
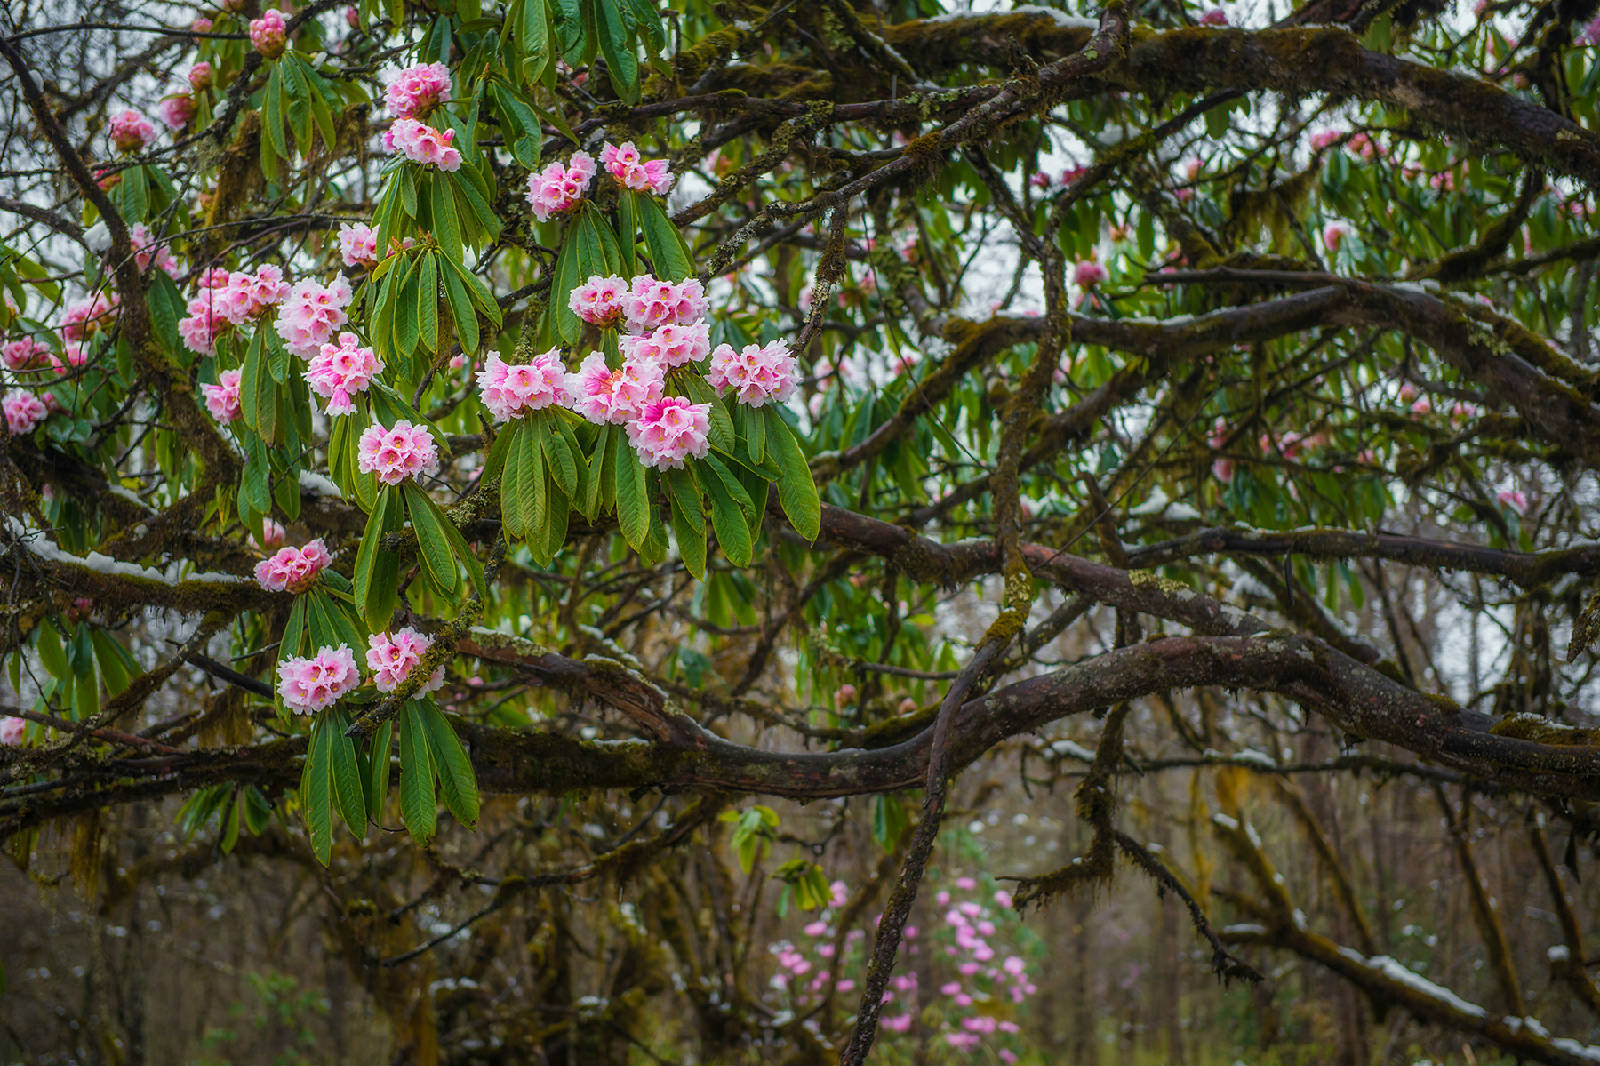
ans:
x=604 y=530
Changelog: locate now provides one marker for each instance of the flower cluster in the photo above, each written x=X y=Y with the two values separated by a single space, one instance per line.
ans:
x=358 y=244
x=200 y=76
x=510 y=389
x=759 y=373
x=130 y=131
x=311 y=685
x=603 y=395
x=398 y=453
x=672 y=345
x=222 y=399
x=293 y=569
x=85 y=316
x=23 y=411
x=11 y=728
x=1087 y=273
x=147 y=253
x=670 y=430
x=310 y=314
x=599 y=301
x=229 y=299
x=269 y=33
x=622 y=162
x=558 y=188
x=341 y=370
x=176 y=111
x=417 y=90
x=24 y=353
x=651 y=303
x=421 y=143
x=392 y=657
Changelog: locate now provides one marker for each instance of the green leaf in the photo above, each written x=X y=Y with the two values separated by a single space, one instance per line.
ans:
x=633 y=500
x=417 y=806
x=432 y=544
x=378 y=771
x=346 y=777
x=688 y=519
x=730 y=511
x=457 y=783
x=446 y=224
x=668 y=253
x=617 y=45
x=796 y=491
x=428 y=300
x=293 y=631
x=755 y=432
x=316 y=793
x=461 y=310
x=377 y=577
x=563 y=466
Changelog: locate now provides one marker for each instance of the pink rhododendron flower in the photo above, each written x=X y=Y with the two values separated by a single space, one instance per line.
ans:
x=391 y=658
x=1088 y=273
x=1517 y=501
x=603 y=395
x=759 y=374
x=1408 y=392
x=147 y=253
x=416 y=90
x=176 y=110
x=269 y=33
x=339 y=371
x=670 y=345
x=1039 y=180
x=11 y=729
x=421 y=143
x=670 y=430
x=511 y=389
x=1590 y=34
x=1214 y=17
x=398 y=453
x=1325 y=138
x=844 y=696
x=222 y=399
x=622 y=162
x=598 y=301
x=272 y=534
x=24 y=353
x=1333 y=236
x=358 y=244
x=1422 y=406
x=200 y=76
x=558 y=188
x=293 y=569
x=88 y=315
x=652 y=303
x=23 y=411
x=311 y=685
x=130 y=131
x=201 y=25
x=310 y=314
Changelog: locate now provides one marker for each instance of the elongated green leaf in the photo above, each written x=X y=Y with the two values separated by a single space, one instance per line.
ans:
x=457 y=783
x=428 y=300
x=461 y=309
x=316 y=792
x=616 y=42
x=293 y=631
x=417 y=806
x=633 y=500
x=688 y=519
x=346 y=777
x=377 y=765
x=563 y=465
x=796 y=491
x=446 y=224
x=378 y=571
x=432 y=545
x=668 y=253
x=730 y=510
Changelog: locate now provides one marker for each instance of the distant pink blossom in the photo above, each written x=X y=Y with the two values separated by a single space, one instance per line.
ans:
x=1517 y=501
x=392 y=657
x=310 y=314
x=622 y=162
x=358 y=244
x=421 y=143
x=87 y=315
x=222 y=399
x=24 y=353
x=1333 y=235
x=147 y=252
x=652 y=303
x=599 y=301
x=1088 y=273
x=603 y=395
x=201 y=76
x=340 y=371
x=404 y=451
x=130 y=131
x=557 y=188
x=417 y=90
x=759 y=374
x=23 y=411
x=315 y=684
x=511 y=389
x=670 y=430
x=269 y=33
x=176 y=110
x=1214 y=17
x=293 y=569
x=272 y=534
